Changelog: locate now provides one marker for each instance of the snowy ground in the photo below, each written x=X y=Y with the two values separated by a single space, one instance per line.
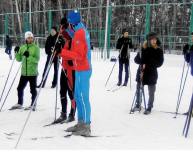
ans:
x=110 y=112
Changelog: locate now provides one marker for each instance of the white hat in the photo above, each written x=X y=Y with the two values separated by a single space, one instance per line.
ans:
x=28 y=34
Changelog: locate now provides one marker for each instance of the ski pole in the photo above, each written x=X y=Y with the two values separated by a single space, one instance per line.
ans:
x=143 y=95
x=7 y=79
x=188 y=118
x=132 y=105
x=182 y=86
x=181 y=80
x=51 y=58
x=113 y=67
x=110 y=73
x=56 y=93
x=10 y=88
x=8 y=76
x=70 y=85
x=130 y=74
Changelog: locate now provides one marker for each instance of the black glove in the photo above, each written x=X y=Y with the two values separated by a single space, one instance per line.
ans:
x=59 y=45
x=186 y=49
x=70 y=62
x=16 y=50
x=26 y=54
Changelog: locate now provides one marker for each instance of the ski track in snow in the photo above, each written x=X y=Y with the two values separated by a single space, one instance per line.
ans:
x=110 y=112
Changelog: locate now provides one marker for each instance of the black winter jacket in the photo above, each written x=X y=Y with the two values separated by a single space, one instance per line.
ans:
x=123 y=44
x=153 y=59
x=8 y=43
x=50 y=42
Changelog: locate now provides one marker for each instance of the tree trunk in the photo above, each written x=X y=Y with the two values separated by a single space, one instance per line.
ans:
x=18 y=16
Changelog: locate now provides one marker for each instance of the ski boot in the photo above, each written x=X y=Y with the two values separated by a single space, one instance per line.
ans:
x=53 y=86
x=61 y=119
x=147 y=111
x=124 y=84
x=75 y=128
x=84 y=130
x=17 y=106
x=30 y=107
x=70 y=119
x=136 y=108
x=119 y=84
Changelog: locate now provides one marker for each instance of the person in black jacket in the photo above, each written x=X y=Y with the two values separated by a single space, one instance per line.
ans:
x=124 y=44
x=188 y=54
x=50 y=42
x=8 y=46
x=150 y=58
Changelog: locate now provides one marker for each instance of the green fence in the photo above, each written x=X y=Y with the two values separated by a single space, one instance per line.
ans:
x=172 y=21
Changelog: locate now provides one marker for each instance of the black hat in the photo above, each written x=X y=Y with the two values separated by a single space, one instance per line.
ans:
x=55 y=28
x=64 y=22
x=124 y=30
x=151 y=35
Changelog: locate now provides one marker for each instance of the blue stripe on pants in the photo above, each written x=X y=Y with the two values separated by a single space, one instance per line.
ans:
x=82 y=86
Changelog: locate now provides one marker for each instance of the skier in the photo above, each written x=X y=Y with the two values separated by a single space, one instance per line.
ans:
x=149 y=60
x=8 y=46
x=80 y=53
x=29 y=55
x=188 y=54
x=50 y=42
x=67 y=77
x=124 y=44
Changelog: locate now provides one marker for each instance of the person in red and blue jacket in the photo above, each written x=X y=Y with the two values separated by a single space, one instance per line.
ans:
x=80 y=53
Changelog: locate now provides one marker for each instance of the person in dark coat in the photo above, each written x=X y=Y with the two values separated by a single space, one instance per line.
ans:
x=150 y=58
x=124 y=43
x=8 y=46
x=50 y=42
x=188 y=54
x=67 y=77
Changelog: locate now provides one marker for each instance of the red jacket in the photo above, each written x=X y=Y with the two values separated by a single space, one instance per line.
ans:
x=65 y=63
x=78 y=52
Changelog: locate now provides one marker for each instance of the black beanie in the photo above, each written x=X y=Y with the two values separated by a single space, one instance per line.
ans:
x=151 y=35
x=55 y=28
x=124 y=30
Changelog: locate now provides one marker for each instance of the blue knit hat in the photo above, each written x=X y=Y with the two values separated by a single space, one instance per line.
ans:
x=74 y=17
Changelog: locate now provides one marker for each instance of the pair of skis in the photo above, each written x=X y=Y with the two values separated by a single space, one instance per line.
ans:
x=114 y=88
x=22 y=108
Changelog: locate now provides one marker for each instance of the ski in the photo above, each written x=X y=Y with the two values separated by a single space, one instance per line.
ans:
x=55 y=123
x=10 y=134
x=116 y=89
x=90 y=136
x=169 y=112
x=111 y=88
x=11 y=109
x=50 y=124
x=46 y=137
